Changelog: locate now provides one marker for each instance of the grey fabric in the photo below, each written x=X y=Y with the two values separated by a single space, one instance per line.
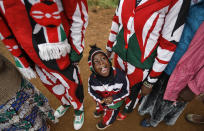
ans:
x=158 y=108
x=10 y=80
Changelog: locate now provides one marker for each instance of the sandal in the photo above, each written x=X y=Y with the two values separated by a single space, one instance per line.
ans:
x=194 y=118
x=146 y=123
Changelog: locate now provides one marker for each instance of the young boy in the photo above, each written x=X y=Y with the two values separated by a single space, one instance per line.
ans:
x=107 y=85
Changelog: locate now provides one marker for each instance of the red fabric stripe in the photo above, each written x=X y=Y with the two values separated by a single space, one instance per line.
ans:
x=52 y=34
x=135 y=77
x=107 y=116
x=113 y=32
x=110 y=44
x=161 y=61
x=150 y=31
x=154 y=74
x=63 y=62
x=165 y=44
x=82 y=17
x=115 y=19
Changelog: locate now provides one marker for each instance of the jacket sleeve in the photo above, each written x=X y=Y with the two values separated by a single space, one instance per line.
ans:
x=93 y=93
x=113 y=32
x=12 y=45
x=76 y=12
x=197 y=84
x=170 y=35
x=124 y=92
x=186 y=38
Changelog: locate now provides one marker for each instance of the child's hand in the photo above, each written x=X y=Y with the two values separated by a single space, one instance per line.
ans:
x=104 y=99
x=109 y=100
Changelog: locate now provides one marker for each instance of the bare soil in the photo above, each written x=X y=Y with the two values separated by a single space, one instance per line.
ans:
x=97 y=32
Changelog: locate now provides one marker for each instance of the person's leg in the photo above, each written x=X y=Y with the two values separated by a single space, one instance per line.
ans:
x=148 y=102
x=132 y=100
x=99 y=110
x=68 y=91
x=135 y=77
x=108 y=118
x=172 y=116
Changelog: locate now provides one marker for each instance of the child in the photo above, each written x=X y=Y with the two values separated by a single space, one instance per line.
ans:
x=107 y=85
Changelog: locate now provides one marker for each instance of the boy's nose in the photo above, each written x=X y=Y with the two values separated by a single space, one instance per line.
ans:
x=101 y=62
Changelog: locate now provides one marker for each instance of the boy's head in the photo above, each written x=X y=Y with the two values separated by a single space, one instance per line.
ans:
x=99 y=62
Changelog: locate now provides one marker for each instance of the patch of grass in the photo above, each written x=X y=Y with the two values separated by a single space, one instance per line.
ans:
x=103 y=3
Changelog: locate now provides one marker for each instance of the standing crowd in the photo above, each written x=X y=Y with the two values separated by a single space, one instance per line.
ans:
x=158 y=51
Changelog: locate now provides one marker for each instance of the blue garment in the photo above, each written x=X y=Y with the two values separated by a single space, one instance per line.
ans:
x=194 y=20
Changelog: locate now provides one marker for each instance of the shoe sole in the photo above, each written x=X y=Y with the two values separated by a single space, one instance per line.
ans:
x=101 y=128
x=97 y=116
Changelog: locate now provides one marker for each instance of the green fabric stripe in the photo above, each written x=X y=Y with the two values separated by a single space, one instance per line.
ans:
x=117 y=105
x=78 y=112
x=75 y=57
x=18 y=63
x=133 y=53
x=63 y=34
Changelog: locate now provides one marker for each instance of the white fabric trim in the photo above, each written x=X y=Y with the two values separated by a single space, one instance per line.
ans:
x=164 y=54
x=52 y=78
x=115 y=27
x=158 y=67
x=61 y=79
x=108 y=87
x=1 y=37
x=64 y=101
x=107 y=123
x=43 y=77
x=128 y=85
x=108 y=48
x=85 y=12
x=112 y=37
x=150 y=80
x=28 y=73
x=50 y=51
x=2 y=6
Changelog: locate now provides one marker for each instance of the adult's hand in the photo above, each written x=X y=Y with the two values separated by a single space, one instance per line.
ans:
x=145 y=90
x=186 y=95
x=109 y=100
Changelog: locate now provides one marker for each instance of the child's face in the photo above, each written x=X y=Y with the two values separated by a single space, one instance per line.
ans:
x=101 y=64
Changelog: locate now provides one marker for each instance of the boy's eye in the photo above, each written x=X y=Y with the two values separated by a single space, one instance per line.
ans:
x=103 y=58
x=96 y=62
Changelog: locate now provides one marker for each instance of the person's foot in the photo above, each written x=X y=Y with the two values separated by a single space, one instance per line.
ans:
x=121 y=116
x=101 y=126
x=98 y=114
x=60 y=111
x=194 y=118
x=145 y=123
x=78 y=121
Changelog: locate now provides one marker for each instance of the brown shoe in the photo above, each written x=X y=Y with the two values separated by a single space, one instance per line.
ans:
x=194 y=118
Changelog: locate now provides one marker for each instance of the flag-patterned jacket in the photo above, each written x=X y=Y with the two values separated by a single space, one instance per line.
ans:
x=146 y=36
x=118 y=87
x=49 y=32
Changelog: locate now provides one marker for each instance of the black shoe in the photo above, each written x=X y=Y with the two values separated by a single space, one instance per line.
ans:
x=98 y=114
x=101 y=126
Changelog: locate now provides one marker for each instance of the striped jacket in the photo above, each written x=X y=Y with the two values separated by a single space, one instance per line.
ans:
x=118 y=88
x=146 y=36
x=50 y=32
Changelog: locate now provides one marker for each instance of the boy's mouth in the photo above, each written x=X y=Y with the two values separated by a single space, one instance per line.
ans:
x=104 y=70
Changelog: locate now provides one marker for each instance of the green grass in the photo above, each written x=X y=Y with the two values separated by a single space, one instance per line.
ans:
x=103 y=3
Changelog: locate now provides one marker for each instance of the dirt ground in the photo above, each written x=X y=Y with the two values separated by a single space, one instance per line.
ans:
x=97 y=32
